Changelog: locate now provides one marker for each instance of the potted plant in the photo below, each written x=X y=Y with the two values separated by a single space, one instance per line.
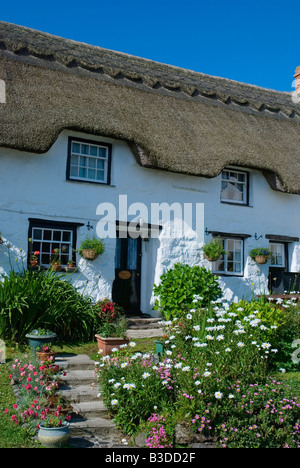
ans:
x=39 y=338
x=56 y=403
x=34 y=259
x=213 y=250
x=261 y=255
x=55 y=260
x=54 y=430
x=46 y=355
x=112 y=328
x=90 y=249
x=71 y=265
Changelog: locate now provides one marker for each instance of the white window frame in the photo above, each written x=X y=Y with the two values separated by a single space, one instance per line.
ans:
x=244 y=183
x=89 y=158
x=61 y=245
x=278 y=250
x=225 y=258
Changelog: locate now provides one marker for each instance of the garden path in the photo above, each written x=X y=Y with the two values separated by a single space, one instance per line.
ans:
x=90 y=424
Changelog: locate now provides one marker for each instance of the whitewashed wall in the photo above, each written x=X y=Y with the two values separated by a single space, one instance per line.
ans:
x=35 y=186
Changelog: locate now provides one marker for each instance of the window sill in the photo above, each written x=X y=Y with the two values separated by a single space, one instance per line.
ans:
x=245 y=205
x=45 y=268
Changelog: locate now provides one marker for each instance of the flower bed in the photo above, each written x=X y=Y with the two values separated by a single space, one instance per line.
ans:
x=213 y=377
x=35 y=383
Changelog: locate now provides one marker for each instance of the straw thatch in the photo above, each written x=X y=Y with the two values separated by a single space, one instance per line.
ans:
x=173 y=119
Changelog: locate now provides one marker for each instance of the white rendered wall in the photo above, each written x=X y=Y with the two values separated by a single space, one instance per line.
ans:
x=35 y=186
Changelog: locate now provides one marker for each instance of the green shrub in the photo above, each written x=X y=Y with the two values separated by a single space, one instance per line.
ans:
x=33 y=299
x=179 y=286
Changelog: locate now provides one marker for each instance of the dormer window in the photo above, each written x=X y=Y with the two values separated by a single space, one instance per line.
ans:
x=234 y=187
x=89 y=161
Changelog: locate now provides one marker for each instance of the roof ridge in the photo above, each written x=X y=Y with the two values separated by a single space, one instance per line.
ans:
x=26 y=42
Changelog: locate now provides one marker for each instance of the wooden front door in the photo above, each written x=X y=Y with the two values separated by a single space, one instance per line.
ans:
x=127 y=285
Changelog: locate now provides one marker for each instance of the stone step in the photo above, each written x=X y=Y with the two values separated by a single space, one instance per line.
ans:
x=97 y=426
x=79 y=377
x=91 y=409
x=144 y=321
x=74 y=362
x=79 y=394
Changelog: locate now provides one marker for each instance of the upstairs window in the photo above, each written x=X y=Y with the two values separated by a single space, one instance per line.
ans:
x=234 y=187
x=89 y=161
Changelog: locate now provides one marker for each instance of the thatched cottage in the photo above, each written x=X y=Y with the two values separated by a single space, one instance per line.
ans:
x=85 y=130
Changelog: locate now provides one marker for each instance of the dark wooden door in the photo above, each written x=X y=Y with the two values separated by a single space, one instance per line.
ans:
x=127 y=284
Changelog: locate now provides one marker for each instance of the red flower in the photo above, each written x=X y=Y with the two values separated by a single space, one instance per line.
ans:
x=36 y=252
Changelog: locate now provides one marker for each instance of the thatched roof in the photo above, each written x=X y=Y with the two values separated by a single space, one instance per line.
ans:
x=173 y=119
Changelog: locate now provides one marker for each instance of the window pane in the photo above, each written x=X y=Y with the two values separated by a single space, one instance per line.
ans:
x=37 y=234
x=91 y=174
x=47 y=235
x=100 y=175
x=83 y=161
x=132 y=254
x=75 y=147
x=66 y=236
x=57 y=236
x=92 y=162
x=93 y=150
x=82 y=172
x=74 y=171
x=84 y=149
x=102 y=152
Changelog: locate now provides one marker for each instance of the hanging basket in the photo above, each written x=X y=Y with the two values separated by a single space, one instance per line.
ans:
x=89 y=254
x=261 y=260
x=212 y=259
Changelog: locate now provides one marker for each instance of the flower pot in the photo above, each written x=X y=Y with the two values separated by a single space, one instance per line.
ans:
x=44 y=356
x=36 y=342
x=89 y=254
x=54 y=437
x=260 y=259
x=34 y=263
x=54 y=402
x=56 y=266
x=106 y=345
x=212 y=259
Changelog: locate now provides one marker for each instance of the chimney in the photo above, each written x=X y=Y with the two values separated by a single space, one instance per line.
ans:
x=297 y=78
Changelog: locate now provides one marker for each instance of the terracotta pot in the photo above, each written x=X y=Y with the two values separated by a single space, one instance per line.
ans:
x=43 y=356
x=56 y=266
x=106 y=345
x=55 y=401
x=34 y=263
x=261 y=259
x=89 y=254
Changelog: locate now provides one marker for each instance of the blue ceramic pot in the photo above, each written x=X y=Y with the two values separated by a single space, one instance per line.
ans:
x=36 y=342
x=54 y=437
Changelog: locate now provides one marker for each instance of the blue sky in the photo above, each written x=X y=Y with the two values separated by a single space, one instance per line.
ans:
x=253 y=41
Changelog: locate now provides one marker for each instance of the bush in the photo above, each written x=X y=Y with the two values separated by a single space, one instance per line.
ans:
x=33 y=299
x=180 y=287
